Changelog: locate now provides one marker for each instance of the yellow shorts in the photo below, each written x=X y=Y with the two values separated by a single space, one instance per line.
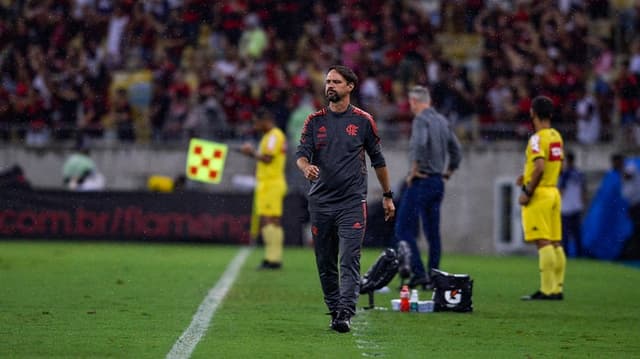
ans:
x=269 y=198
x=541 y=218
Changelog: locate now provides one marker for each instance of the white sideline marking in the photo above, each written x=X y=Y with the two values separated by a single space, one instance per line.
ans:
x=368 y=347
x=184 y=346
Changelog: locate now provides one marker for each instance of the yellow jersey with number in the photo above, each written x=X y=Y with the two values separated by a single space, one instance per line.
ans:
x=274 y=144
x=548 y=145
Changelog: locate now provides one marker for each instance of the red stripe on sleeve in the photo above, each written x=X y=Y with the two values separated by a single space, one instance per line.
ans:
x=368 y=116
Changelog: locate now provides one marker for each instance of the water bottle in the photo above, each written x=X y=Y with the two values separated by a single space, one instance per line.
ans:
x=404 y=299
x=413 y=301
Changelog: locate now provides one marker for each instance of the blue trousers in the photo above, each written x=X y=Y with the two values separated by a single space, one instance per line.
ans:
x=572 y=234
x=421 y=200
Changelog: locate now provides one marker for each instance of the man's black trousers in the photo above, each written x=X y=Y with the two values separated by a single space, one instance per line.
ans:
x=338 y=237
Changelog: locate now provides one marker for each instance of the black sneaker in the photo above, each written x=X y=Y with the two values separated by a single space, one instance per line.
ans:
x=342 y=322
x=334 y=315
x=269 y=265
x=420 y=282
x=541 y=296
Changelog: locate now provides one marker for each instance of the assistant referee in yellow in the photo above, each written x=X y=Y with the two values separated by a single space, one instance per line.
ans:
x=271 y=185
x=540 y=200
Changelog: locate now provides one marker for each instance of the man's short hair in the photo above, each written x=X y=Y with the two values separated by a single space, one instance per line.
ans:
x=420 y=94
x=263 y=114
x=347 y=73
x=543 y=107
x=617 y=158
x=570 y=156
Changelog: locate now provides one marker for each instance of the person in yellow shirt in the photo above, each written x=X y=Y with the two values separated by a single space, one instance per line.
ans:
x=271 y=185
x=541 y=202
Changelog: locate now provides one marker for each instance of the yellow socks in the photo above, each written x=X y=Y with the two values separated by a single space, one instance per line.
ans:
x=273 y=237
x=547 y=263
x=561 y=264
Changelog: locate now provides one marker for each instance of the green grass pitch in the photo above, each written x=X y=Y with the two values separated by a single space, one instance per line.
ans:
x=106 y=300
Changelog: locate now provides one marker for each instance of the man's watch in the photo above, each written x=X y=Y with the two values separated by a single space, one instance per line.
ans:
x=525 y=191
x=388 y=194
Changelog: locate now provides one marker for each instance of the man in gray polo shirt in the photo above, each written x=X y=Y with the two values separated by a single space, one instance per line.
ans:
x=434 y=153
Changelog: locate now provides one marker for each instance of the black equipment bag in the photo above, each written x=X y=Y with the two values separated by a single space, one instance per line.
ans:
x=451 y=292
x=380 y=274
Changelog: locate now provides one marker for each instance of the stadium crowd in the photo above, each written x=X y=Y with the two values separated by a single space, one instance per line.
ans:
x=165 y=70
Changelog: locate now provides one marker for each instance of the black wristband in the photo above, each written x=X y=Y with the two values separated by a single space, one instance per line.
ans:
x=525 y=191
x=387 y=194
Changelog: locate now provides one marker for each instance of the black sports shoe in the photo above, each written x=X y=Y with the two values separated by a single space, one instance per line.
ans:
x=269 y=265
x=420 y=282
x=334 y=315
x=342 y=322
x=541 y=296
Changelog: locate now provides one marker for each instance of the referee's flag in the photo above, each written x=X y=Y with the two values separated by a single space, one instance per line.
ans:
x=205 y=160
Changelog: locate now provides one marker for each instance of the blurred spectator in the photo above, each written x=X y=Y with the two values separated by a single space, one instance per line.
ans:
x=93 y=109
x=274 y=100
x=631 y=192
x=158 y=110
x=174 y=38
x=117 y=24
x=66 y=99
x=634 y=62
x=6 y=115
x=141 y=35
x=253 y=41
x=617 y=164
x=122 y=116
x=573 y=188
x=180 y=92
x=30 y=112
x=80 y=173
x=298 y=116
x=207 y=119
x=501 y=101
x=627 y=88
x=588 y=120
x=158 y=9
x=180 y=183
x=461 y=104
x=13 y=178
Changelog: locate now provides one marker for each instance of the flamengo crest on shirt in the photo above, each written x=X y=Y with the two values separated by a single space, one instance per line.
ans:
x=205 y=160
x=352 y=130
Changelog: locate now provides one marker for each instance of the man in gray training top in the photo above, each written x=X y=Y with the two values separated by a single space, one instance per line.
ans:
x=431 y=141
x=331 y=156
